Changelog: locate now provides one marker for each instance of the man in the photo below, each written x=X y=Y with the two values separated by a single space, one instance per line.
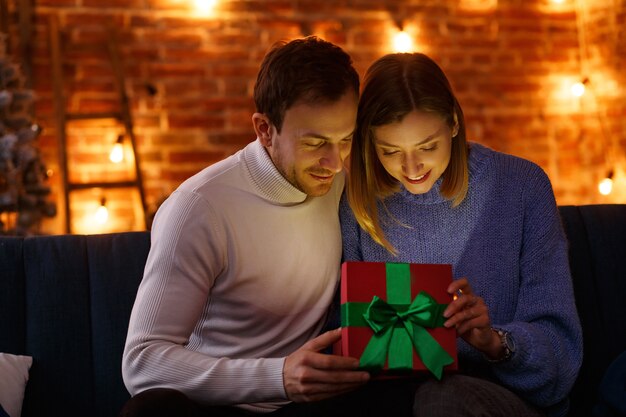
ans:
x=245 y=257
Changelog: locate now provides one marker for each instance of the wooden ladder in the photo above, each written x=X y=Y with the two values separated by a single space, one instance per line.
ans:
x=122 y=115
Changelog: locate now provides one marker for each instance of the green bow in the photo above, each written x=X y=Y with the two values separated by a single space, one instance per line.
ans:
x=398 y=329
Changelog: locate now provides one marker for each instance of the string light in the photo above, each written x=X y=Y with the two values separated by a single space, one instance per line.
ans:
x=204 y=6
x=117 y=153
x=102 y=213
x=578 y=89
x=402 y=42
x=606 y=184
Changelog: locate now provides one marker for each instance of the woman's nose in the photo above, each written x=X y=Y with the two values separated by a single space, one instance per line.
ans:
x=411 y=165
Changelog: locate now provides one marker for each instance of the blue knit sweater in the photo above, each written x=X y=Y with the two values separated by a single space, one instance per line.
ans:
x=506 y=237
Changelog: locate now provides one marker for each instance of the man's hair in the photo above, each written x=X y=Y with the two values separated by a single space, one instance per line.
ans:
x=305 y=70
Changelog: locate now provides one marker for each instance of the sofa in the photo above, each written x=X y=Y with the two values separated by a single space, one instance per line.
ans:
x=65 y=301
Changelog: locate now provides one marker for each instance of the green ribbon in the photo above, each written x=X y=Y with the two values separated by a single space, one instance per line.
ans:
x=399 y=327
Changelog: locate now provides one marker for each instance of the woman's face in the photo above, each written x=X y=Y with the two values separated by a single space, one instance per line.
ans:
x=416 y=150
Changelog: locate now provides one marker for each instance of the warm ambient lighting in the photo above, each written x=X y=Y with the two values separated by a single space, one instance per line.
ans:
x=102 y=213
x=117 y=153
x=402 y=42
x=578 y=88
x=204 y=6
x=606 y=185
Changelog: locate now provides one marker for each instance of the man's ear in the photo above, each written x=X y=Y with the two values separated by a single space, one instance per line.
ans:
x=262 y=128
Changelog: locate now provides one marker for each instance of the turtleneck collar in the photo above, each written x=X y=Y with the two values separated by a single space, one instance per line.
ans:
x=476 y=160
x=267 y=179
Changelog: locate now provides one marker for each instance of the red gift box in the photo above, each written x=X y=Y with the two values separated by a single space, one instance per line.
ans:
x=397 y=291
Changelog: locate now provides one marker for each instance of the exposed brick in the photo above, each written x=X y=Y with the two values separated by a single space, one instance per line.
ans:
x=508 y=65
x=164 y=70
x=194 y=157
x=191 y=121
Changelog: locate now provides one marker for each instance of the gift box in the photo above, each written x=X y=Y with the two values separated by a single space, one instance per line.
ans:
x=392 y=318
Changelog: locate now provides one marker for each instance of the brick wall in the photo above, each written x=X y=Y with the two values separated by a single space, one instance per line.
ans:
x=190 y=79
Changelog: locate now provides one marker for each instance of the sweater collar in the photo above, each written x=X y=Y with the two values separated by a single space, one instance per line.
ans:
x=476 y=160
x=266 y=178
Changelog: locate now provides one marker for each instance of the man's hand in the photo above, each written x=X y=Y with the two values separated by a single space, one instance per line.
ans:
x=312 y=376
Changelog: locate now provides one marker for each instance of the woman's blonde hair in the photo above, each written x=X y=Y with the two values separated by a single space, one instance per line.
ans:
x=395 y=85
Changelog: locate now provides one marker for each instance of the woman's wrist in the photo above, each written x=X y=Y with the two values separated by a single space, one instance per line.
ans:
x=495 y=349
x=502 y=347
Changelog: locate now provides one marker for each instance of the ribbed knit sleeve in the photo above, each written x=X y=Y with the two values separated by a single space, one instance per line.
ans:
x=545 y=327
x=180 y=271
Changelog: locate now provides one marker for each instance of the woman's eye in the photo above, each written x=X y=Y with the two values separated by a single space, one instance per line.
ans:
x=389 y=153
x=430 y=148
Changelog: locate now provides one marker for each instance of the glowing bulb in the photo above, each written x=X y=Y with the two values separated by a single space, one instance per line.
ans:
x=578 y=89
x=102 y=213
x=605 y=186
x=117 y=153
x=204 y=6
x=402 y=42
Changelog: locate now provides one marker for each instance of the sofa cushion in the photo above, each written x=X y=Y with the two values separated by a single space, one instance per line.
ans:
x=13 y=379
x=58 y=333
x=79 y=294
x=12 y=330
x=116 y=264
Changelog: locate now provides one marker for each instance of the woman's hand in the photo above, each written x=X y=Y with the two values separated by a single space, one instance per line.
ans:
x=469 y=314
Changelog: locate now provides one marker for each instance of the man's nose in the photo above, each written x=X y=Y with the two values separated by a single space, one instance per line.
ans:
x=331 y=159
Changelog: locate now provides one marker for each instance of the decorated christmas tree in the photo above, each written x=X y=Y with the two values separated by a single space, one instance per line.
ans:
x=23 y=175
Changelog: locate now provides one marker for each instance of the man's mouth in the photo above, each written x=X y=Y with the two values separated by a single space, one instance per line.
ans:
x=322 y=177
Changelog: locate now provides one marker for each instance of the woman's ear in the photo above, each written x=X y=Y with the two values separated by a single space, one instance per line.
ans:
x=455 y=128
x=262 y=128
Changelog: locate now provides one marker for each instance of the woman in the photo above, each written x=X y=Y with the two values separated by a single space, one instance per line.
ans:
x=419 y=192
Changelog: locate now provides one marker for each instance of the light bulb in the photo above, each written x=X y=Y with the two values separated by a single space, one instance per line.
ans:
x=102 y=213
x=402 y=42
x=117 y=153
x=204 y=6
x=578 y=89
x=605 y=186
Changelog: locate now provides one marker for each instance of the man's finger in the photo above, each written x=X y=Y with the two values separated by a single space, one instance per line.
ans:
x=323 y=341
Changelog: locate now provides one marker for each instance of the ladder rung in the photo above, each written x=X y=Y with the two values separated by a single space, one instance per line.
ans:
x=90 y=116
x=110 y=184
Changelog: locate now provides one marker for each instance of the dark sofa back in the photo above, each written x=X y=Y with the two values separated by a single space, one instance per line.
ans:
x=597 y=237
x=66 y=301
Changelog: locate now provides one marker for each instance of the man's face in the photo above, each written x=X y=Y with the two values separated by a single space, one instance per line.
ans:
x=314 y=141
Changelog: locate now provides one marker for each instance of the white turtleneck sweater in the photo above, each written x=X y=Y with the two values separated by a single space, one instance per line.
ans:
x=240 y=274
